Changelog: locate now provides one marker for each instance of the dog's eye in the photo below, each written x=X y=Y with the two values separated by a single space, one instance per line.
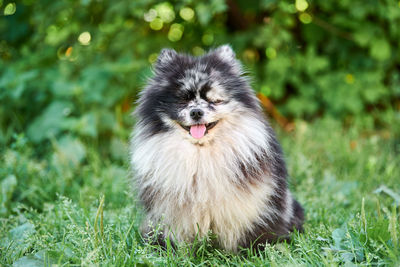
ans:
x=216 y=102
x=187 y=96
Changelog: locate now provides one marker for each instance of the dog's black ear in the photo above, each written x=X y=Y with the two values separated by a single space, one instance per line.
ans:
x=166 y=56
x=225 y=52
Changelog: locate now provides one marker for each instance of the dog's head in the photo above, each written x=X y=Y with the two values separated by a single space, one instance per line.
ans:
x=195 y=96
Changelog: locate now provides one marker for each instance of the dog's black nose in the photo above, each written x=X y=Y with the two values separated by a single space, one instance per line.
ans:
x=196 y=113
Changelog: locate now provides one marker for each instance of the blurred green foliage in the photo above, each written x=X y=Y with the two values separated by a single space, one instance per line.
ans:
x=76 y=66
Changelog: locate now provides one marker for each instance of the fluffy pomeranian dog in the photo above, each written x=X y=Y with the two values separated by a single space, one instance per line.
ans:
x=204 y=157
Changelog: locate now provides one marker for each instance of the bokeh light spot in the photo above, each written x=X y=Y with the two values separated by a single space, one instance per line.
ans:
x=150 y=15
x=349 y=78
x=305 y=18
x=128 y=24
x=153 y=58
x=208 y=38
x=270 y=53
x=292 y=8
x=175 y=32
x=10 y=9
x=198 y=51
x=301 y=5
x=250 y=55
x=266 y=90
x=68 y=52
x=186 y=13
x=156 y=24
x=84 y=38
x=165 y=12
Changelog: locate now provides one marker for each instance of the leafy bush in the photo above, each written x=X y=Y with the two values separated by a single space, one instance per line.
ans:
x=76 y=66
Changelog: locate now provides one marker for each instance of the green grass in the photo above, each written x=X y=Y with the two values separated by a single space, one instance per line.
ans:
x=52 y=210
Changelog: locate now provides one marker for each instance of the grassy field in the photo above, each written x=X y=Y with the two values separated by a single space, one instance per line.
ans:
x=75 y=207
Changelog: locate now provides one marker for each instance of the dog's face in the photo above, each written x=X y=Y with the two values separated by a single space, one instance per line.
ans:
x=195 y=96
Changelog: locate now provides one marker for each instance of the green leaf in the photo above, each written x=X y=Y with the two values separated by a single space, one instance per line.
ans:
x=22 y=232
x=380 y=49
x=338 y=235
x=389 y=192
x=41 y=258
x=69 y=150
x=203 y=13
x=218 y=6
x=85 y=125
x=8 y=186
x=266 y=4
x=29 y=260
x=50 y=122
x=118 y=149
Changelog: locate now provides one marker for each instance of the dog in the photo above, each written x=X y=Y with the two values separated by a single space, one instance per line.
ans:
x=204 y=157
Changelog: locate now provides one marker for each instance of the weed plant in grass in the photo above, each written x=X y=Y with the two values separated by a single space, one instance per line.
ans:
x=53 y=210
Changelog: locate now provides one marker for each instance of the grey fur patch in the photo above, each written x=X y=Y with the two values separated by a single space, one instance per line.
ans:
x=166 y=56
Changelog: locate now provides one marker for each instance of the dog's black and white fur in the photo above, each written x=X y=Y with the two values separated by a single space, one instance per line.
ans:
x=205 y=158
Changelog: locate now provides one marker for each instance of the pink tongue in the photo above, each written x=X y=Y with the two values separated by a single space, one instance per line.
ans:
x=198 y=131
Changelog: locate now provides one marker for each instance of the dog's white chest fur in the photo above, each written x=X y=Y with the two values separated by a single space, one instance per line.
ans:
x=199 y=188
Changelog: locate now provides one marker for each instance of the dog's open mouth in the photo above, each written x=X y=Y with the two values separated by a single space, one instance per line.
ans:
x=199 y=130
